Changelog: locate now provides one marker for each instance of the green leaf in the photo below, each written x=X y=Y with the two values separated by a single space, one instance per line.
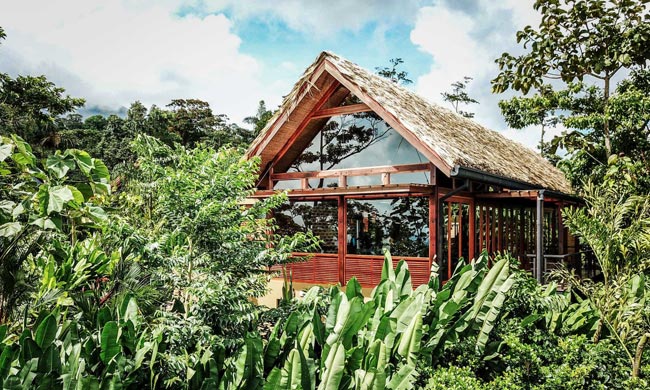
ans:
x=50 y=360
x=353 y=289
x=129 y=310
x=10 y=229
x=409 y=344
x=57 y=197
x=109 y=342
x=100 y=173
x=76 y=195
x=59 y=164
x=6 y=357
x=83 y=159
x=334 y=368
x=45 y=223
x=5 y=151
x=403 y=379
x=46 y=332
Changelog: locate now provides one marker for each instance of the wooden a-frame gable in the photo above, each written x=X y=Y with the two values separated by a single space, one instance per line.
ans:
x=315 y=99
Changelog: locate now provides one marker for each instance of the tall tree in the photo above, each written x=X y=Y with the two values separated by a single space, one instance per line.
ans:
x=579 y=39
x=459 y=96
x=30 y=105
x=570 y=63
x=260 y=119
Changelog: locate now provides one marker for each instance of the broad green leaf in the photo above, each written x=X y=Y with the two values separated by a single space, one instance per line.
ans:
x=46 y=332
x=109 y=342
x=334 y=368
x=100 y=173
x=57 y=196
x=59 y=164
x=76 y=195
x=129 y=310
x=50 y=360
x=7 y=206
x=44 y=223
x=403 y=379
x=10 y=229
x=5 y=151
x=83 y=159
x=409 y=344
x=353 y=289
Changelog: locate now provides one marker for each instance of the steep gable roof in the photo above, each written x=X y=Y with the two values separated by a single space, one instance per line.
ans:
x=449 y=140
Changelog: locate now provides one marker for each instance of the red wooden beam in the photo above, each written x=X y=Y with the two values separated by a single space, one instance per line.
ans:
x=323 y=99
x=341 y=110
x=403 y=168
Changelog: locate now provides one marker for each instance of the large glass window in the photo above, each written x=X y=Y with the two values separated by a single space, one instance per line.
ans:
x=358 y=140
x=320 y=217
x=400 y=225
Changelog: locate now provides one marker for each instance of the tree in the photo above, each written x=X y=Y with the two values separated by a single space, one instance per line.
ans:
x=393 y=74
x=579 y=39
x=459 y=95
x=260 y=119
x=537 y=110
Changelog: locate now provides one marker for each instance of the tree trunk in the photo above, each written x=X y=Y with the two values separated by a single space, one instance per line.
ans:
x=638 y=355
x=608 y=144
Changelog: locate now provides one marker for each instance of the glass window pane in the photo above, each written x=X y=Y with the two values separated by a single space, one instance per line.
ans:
x=400 y=225
x=359 y=140
x=320 y=217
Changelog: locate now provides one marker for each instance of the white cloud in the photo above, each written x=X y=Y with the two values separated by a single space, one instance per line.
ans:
x=317 y=17
x=464 y=39
x=114 y=52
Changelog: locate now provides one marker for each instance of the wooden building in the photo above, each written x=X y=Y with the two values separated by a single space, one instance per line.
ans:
x=370 y=166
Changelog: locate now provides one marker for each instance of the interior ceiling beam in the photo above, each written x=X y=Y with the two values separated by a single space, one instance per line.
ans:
x=342 y=110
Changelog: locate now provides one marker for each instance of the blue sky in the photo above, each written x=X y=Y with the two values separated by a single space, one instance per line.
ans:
x=232 y=53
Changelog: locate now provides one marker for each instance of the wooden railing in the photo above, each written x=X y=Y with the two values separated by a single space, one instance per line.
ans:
x=342 y=174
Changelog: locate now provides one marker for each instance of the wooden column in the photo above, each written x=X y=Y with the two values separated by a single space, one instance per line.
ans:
x=433 y=225
x=342 y=238
x=472 y=229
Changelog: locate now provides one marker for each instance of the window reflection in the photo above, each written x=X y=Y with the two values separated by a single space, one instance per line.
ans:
x=399 y=225
x=359 y=140
x=320 y=217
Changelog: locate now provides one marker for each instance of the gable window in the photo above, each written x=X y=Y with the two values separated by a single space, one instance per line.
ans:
x=358 y=140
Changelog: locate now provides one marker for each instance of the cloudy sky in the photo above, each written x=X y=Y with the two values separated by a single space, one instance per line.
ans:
x=233 y=53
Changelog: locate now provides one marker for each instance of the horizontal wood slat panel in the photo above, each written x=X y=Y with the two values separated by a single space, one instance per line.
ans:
x=367 y=269
x=323 y=269
x=317 y=269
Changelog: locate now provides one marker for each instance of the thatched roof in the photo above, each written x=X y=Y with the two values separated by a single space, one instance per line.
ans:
x=448 y=139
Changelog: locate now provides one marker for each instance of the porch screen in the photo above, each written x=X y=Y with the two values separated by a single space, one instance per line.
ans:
x=398 y=224
x=320 y=217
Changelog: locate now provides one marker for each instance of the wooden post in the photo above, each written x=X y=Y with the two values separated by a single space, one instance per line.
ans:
x=472 y=229
x=433 y=173
x=385 y=179
x=449 y=270
x=342 y=238
x=539 y=263
x=433 y=226
x=562 y=249
x=343 y=181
